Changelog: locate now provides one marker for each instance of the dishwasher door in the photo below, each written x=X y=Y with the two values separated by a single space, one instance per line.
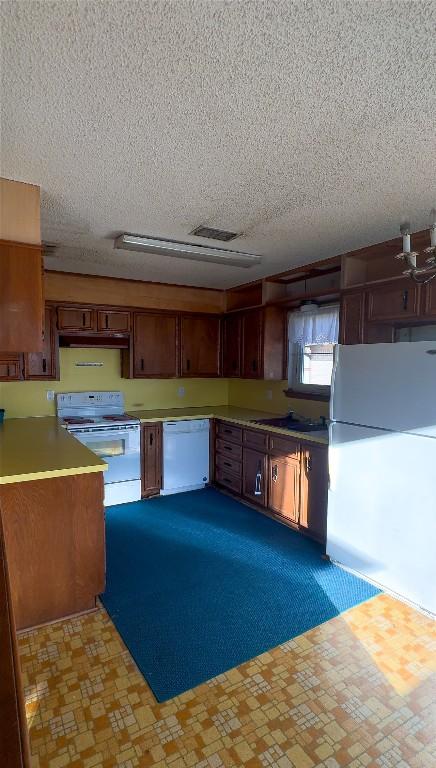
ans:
x=185 y=455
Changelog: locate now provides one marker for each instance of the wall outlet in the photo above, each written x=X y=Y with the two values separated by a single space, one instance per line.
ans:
x=181 y=391
x=50 y=394
x=269 y=394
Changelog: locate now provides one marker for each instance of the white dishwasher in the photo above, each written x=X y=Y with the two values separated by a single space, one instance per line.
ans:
x=185 y=455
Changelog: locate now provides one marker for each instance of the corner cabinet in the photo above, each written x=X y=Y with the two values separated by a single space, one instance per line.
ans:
x=151 y=459
x=200 y=345
x=254 y=343
x=45 y=364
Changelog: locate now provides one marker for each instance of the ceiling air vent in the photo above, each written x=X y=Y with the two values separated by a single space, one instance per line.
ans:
x=214 y=234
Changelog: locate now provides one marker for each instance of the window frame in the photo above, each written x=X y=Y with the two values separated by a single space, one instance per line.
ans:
x=295 y=369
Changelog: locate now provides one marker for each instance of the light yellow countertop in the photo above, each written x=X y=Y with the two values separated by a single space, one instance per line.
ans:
x=39 y=448
x=243 y=416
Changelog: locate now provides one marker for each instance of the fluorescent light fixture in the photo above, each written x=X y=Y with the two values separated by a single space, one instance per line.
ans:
x=186 y=251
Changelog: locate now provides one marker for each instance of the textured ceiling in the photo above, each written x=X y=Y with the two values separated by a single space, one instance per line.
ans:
x=308 y=126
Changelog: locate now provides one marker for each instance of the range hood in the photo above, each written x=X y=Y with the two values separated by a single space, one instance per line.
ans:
x=90 y=342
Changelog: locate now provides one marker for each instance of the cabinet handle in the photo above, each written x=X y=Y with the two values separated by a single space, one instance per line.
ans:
x=151 y=438
x=234 y=365
x=227 y=448
x=8 y=371
x=405 y=299
x=83 y=319
x=142 y=363
x=44 y=365
x=274 y=473
x=107 y=322
x=308 y=462
x=188 y=365
x=258 y=481
x=227 y=463
x=254 y=365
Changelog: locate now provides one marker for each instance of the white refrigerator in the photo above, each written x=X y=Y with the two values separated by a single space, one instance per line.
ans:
x=381 y=520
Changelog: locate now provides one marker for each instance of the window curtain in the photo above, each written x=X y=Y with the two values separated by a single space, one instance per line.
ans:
x=319 y=325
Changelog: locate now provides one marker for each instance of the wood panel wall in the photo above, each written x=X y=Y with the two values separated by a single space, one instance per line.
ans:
x=90 y=289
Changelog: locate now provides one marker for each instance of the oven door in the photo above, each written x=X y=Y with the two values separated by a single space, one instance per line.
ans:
x=119 y=447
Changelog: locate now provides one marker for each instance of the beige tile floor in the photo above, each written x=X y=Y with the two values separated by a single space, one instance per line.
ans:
x=359 y=690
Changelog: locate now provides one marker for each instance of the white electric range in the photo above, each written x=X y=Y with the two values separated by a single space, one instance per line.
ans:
x=99 y=421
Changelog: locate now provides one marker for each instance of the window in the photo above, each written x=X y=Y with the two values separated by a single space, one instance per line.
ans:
x=312 y=335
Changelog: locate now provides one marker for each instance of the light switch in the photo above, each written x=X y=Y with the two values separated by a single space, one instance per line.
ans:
x=269 y=394
x=181 y=391
x=50 y=394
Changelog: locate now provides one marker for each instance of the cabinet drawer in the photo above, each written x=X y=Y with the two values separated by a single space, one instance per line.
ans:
x=255 y=439
x=229 y=432
x=228 y=464
x=10 y=368
x=281 y=446
x=229 y=449
x=228 y=480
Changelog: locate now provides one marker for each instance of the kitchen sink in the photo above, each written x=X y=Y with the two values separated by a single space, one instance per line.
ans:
x=295 y=426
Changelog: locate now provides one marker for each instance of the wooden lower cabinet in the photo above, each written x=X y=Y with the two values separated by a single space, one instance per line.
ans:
x=55 y=546
x=284 y=487
x=286 y=477
x=254 y=476
x=151 y=459
x=313 y=490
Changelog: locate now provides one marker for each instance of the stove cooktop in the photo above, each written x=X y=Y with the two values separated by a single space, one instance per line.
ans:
x=112 y=418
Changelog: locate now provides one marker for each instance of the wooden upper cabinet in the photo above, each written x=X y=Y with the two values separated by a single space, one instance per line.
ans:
x=429 y=308
x=11 y=367
x=200 y=345
x=155 y=345
x=263 y=343
x=252 y=344
x=45 y=364
x=151 y=459
x=21 y=298
x=394 y=301
x=232 y=345
x=313 y=490
x=113 y=320
x=352 y=318
x=76 y=319
x=254 y=476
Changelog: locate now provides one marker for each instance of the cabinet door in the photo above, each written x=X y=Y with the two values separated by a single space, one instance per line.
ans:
x=76 y=319
x=314 y=485
x=284 y=478
x=430 y=300
x=254 y=476
x=151 y=459
x=10 y=367
x=21 y=299
x=393 y=302
x=200 y=344
x=113 y=320
x=352 y=318
x=232 y=346
x=45 y=364
x=155 y=346
x=252 y=330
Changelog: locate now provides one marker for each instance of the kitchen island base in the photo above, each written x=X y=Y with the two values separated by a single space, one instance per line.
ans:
x=55 y=544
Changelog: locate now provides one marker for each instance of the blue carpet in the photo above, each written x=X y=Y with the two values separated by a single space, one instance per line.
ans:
x=198 y=583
